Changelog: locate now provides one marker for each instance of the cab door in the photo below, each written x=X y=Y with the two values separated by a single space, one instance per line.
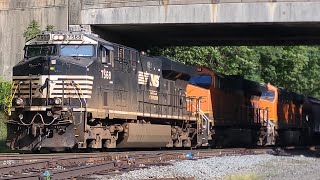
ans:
x=107 y=76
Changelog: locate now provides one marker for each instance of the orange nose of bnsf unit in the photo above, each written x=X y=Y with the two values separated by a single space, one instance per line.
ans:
x=205 y=99
x=268 y=101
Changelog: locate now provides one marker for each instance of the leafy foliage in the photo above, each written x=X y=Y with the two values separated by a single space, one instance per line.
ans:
x=34 y=29
x=3 y=129
x=49 y=27
x=296 y=68
x=5 y=94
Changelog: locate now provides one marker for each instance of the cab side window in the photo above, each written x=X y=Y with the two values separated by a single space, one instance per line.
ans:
x=104 y=59
x=120 y=54
x=134 y=60
x=107 y=55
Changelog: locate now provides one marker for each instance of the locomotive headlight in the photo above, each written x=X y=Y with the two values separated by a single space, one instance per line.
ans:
x=19 y=101
x=61 y=37
x=58 y=37
x=55 y=37
x=57 y=101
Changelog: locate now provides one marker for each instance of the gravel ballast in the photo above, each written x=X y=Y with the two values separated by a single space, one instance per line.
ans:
x=231 y=167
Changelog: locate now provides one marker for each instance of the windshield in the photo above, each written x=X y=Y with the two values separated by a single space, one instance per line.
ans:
x=267 y=94
x=77 y=50
x=40 y=50
x=202 y=81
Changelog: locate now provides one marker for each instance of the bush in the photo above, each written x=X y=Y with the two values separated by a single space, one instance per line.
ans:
x=34 y=29
x=5 y=95
x=5 y=103
x=3 y=127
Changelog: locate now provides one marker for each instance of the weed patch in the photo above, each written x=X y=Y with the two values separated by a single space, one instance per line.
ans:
x=242 y=176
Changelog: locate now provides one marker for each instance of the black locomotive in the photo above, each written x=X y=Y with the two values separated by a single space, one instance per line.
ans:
x=76 y=90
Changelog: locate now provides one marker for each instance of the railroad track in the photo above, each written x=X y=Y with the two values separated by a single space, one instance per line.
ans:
x=66 y=166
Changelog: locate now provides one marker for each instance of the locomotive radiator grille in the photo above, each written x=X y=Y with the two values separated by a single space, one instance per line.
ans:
x=59 y=85
x=22 y=85
x=71 y=86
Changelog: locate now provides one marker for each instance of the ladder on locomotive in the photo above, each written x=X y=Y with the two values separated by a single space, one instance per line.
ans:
x=203 y=125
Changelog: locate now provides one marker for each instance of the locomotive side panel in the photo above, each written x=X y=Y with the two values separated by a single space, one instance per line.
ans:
x=228 y=103
x=290 y=110
x=148 y=88
x=315 y=117
x=291 y=122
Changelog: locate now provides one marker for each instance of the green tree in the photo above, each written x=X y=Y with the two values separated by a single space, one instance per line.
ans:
x=292 y=67
x=296 y=68
x=240 y=60
x=34 y=29
x=5 y=99
x=5 y=94
x=49 y=27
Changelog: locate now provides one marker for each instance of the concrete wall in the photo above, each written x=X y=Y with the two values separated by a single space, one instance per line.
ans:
x=15 y=16
x=200 y=11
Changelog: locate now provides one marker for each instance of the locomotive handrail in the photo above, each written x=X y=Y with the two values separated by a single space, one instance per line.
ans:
x=81 y=105
x=42 y=120
x=203 y=116
x=10 y=98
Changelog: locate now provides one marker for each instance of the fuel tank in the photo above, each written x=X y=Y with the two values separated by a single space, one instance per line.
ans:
x=145 y=135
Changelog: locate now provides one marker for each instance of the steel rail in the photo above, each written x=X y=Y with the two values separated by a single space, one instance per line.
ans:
x=102 y=164
x=66 y=160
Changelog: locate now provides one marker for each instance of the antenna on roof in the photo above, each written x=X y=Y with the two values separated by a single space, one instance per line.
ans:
x=80 y=28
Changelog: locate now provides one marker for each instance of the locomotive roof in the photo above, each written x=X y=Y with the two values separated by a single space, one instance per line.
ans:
x=102 y=41
x=176 y=69
x=71 y=37
x=314 y=100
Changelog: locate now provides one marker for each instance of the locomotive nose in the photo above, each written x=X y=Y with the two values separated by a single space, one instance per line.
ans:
x=50 y=96
x=33 y=66
x=48 y=79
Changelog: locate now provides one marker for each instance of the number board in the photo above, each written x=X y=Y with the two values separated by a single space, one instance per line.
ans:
x=74 y=37
x=43 y=37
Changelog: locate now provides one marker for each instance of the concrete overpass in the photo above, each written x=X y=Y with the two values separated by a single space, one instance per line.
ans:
x=145 y=23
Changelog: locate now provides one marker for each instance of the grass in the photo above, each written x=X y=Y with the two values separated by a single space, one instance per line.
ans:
x=242 y=176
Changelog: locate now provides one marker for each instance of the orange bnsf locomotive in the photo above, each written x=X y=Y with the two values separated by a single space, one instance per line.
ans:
x=76 y=90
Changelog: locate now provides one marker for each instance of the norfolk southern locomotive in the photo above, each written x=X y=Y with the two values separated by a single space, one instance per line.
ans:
x=76 y=90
